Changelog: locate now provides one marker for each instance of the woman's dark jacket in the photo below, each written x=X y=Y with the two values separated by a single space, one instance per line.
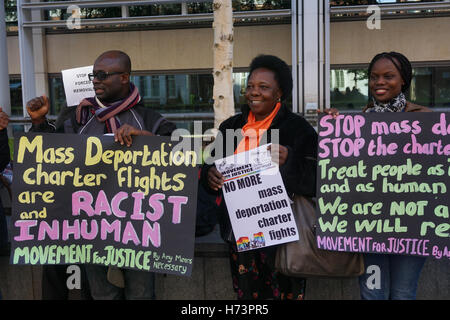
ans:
x=299 y=171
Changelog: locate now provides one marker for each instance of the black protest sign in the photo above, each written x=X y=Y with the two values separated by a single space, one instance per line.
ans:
x=383 y=181
x=89 y=200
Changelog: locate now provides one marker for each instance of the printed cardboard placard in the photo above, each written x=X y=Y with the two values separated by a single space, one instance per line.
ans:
x=383 y=183
x=81 y=199
x=257 y=202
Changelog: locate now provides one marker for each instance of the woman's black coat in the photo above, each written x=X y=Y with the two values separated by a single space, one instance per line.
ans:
x=299 y=171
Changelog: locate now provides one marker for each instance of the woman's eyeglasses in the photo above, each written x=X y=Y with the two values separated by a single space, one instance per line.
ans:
x=101 y=75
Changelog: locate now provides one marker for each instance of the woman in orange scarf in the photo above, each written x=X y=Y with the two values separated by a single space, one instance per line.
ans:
x=269 y=86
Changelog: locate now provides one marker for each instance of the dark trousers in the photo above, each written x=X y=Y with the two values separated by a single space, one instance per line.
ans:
x=139 y=285
x=54 y=283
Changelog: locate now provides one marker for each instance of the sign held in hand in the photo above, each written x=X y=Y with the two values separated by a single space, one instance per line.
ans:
x=257 y=202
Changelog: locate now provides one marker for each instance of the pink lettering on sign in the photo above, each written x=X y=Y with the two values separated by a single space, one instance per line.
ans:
x=396 y=127
x=426 y=148
x=45 y=229
x=347 y=124
x=107 y=228
x=441 y=128
x=84 y=230
x=102 y=204
x=25 y=226
x=151 y=233
x=177 y=202
x=380 y=149
x=115 y=203
x=137 y=209
x=73 y=230
x=341 y=147
x=158 y=208
x=82 y=201
x=129 y=234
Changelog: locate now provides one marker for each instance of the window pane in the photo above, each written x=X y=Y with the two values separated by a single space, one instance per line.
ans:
x=239 y=86
x=179 y=93
x=18 y=128
x=201 y=7
x=57 y=95
x=155 y=10
x=349 y=89
x=155 y=87
x=441 y=87
x=421 y=86
x=171 y=86
x=15 y=88
x=247 y=5
x=11 y=15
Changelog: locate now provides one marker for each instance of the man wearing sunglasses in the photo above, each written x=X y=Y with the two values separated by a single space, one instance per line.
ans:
x=116 y=108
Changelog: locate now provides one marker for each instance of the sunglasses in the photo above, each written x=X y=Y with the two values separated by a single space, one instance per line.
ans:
x=101 y=75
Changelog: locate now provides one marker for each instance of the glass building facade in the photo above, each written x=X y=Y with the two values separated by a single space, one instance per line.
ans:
x=181 y=92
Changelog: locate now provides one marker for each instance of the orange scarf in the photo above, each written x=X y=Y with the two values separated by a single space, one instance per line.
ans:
x=253 y=130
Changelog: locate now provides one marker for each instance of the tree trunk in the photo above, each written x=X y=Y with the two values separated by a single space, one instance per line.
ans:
x=223 y=61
